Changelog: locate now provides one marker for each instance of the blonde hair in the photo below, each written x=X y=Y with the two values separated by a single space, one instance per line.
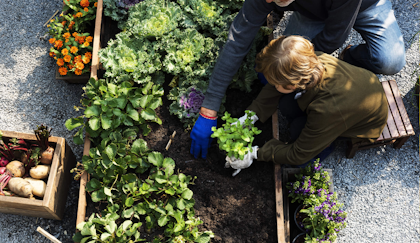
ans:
x=290 y=60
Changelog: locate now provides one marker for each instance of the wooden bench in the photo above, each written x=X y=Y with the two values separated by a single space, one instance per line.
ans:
x=398 y=128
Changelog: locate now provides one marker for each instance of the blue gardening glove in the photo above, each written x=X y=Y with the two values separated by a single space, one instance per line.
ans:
x=200 y=136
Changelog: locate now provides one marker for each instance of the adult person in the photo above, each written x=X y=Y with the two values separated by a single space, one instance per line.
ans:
x=337 y=100
x=327 y=23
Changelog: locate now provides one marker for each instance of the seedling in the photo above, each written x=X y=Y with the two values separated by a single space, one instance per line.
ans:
x=234 y=137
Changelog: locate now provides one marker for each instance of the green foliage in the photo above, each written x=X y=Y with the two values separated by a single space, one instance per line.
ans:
x=109 y=107
x=160 y=199
x=112 y=10
x=236 y=139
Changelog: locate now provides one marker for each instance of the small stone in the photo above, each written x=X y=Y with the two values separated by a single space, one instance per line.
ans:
x=370 y=235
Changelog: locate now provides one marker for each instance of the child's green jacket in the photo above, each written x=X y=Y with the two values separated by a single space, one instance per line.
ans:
x=348 y=102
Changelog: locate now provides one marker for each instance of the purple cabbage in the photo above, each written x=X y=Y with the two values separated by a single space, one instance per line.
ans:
x=192 y=101
x=127 y=3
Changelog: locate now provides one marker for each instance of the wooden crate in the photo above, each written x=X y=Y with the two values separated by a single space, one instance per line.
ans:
x=52 y=206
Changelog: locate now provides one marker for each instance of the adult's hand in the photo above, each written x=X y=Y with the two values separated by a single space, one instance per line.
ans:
x=201 y=133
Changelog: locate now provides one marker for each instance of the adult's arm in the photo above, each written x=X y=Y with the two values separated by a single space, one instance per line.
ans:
x=266 y=102
x=342 y=15
x=241 y=35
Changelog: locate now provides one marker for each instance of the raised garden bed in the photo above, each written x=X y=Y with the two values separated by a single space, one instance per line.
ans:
x=52 y=206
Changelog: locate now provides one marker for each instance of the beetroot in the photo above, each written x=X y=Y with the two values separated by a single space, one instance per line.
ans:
x=3 y=162
x=2 y=170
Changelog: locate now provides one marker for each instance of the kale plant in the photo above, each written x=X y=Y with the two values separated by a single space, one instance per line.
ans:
x=236 y=139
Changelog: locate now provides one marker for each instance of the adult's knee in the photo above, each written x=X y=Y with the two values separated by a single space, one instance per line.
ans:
x=389 y=62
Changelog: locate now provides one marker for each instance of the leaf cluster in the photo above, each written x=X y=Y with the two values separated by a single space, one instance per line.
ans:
x=236 y=139
x=109 y=106
x=143 y=193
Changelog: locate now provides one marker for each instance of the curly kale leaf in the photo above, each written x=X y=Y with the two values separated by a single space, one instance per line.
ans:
x=154 y=18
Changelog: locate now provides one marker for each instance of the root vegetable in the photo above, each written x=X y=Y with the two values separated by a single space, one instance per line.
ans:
x=39 y=171
x=46 y=156
x=3 y=162
x=2 y=170
x=21 y=187
x=38 y=186
x=17 y=168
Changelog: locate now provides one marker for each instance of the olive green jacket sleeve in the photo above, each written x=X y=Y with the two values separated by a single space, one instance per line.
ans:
x=266 y=102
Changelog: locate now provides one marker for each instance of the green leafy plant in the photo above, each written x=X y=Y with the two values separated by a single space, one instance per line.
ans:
x=323 y=216
x=236 y=139
x=109 y=106
x=142 y=191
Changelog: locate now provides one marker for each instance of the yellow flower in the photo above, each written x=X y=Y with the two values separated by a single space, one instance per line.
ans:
x=67 y=58
x=73 y=49
x=86 y=44
x=80 y=65
x=86 y=60
x=65 y=51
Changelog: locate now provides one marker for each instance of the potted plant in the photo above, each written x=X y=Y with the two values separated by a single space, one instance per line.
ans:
x=71 y=37
x=323 y=217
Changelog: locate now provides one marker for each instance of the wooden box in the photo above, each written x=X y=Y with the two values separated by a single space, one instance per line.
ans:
x=52 y=206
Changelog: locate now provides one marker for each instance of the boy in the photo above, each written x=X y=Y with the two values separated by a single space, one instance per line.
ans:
x=322 y=97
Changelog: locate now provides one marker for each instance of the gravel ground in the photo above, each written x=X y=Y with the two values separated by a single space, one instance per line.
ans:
x=379 y=186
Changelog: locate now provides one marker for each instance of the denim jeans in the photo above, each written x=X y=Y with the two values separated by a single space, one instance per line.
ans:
x=383 y=52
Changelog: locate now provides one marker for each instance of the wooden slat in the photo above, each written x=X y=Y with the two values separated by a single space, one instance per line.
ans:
x=401 y=108
x=385 y=132
x=394 y=108
x=96 y=41
x=391 y=107
x=281 y=231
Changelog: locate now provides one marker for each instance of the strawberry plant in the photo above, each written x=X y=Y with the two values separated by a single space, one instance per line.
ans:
x=235 y=137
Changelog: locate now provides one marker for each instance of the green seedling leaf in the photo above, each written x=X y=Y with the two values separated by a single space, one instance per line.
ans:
x=163 y=220
x=94 y=123
x=187 y=194
x=106 y=122
x=92 y=111
x=156 y=159
x=93 y=184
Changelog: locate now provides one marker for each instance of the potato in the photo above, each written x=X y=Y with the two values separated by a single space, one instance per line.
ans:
x=21 y=187
x=17 y=168
x=38 y=186
x=40 y=171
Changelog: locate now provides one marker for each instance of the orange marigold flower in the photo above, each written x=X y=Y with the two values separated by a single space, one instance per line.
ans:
x=65 y=51
x=86 y=9
x=89 y=39
x=62 y=71
x=84 y=3
x=79 y=14
x=95 y=4
x=86 y=44
x=70 y=66
x=74 y=34
x=60 y=62
x=78 y=72
x=58 y=44
x=63 y=23
x=52 y=40
x=52 y=54
x=67 y=40
x=81 y=40
x=73 y=49
x=88 y=54
x=86 y=60
x=67 y=58
x=80 y=65
x=66 y=35
x=71 y=24
x=77 y=59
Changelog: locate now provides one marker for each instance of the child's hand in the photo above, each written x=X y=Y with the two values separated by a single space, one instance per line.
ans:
x=241 y=164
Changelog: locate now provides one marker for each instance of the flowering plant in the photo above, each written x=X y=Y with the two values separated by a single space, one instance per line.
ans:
x=72 y=49
x=324 y=218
